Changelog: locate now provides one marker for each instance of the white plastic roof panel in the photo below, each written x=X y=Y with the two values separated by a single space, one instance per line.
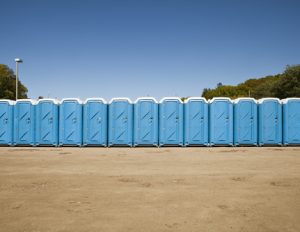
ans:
x=145 y=99
x=55 y=101
x=245 y=98
x=195 y=98
x=120 y=99
x=284 y=101
x=260 y=101
x=71 y=99
x=220 y=98
x=95 y=99
x=171 y=98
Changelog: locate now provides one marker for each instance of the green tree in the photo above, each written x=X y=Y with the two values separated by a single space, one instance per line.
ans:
x=8 y=84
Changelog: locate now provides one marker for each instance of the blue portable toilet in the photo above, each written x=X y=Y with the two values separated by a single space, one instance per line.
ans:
x=6 y=122
x=245 y=121
x=171 y=122
x=47 y=122
x=120 y=123
x=24 y=122
x=95 y=122
x=221 y=121
x=70 y=122
x=291 y=121
x=146 y=122
x=196 y=122
x=269 y=121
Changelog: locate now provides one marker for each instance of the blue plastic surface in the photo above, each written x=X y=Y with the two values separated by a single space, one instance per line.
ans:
x=24 y=123
x=171 y=122
x=269 y=122
x=146 y=122
x=120 y=123
x=70 y=119
x=221 y=122
x=6 y=122
x=291 y=121
x=47 y=122
x=196 y=122
x=95 y=123
x=245 y=122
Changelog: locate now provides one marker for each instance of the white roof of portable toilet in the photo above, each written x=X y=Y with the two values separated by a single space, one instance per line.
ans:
x=10 y=102
x=120 y=99
x=244 y=98
x=95 y=99
x=55 y=101
x=195 y=98
x=71 y=99
x=220 y=98
x=260 y=101
x=32 y=101
x=284 y=101
x=171 y=98
x=145 y=99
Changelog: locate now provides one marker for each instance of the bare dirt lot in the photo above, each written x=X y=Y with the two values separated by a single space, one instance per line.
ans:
x=150 y=189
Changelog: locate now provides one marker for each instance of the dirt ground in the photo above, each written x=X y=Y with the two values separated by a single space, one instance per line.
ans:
x=150 y=189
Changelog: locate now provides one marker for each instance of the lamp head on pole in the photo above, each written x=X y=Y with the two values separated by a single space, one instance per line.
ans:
x=18 y=60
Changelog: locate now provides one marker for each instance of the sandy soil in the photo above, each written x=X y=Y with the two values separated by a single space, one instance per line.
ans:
x=150 y=189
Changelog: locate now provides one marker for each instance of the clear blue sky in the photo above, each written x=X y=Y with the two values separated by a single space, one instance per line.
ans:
x=137 y=48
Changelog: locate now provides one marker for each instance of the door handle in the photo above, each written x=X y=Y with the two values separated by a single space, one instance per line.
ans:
x=5 y=121
x=74 y=120
x=28 y=120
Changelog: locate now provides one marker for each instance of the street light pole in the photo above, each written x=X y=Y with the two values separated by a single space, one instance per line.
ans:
x=17 y=60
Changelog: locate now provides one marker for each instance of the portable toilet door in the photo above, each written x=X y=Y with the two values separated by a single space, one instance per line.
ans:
x=95 y=122
x=221 y=121
x=196 y=122
x=120 y=123
x=171 y=122
x=269 y=121
x=47 y=122
x=245 y=122
x=146 y=122
x=291 y=121
x=6 y=122
x=70 y=118
x=24 y=122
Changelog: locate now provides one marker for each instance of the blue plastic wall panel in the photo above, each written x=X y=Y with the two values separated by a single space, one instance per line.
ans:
x=171 y=122
x=291 y=121
x=6 y=122
x=221 y=122
x=196 y=122
x=95 y=122
x=120 y=123
x=245 y=122
x=269 y=122
x=24 y=122
x=47 y=122
x=70 y=118
x=146 y=122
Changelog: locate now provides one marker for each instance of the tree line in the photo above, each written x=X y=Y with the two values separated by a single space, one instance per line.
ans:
x=284 y=85
x=8 y=84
